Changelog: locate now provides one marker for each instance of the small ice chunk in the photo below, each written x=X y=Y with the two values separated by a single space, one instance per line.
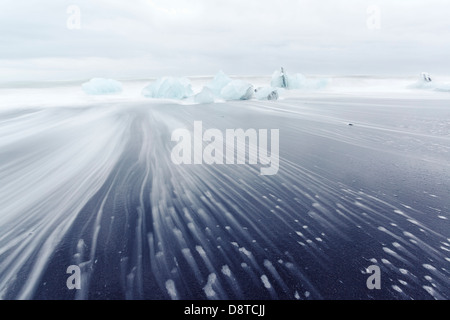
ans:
x=209 y=291
x=101 y=86
x=429 y=267
x=397 y=288
x=237 y=90
x=171 y=290
x=169 y=88
x=226 y=270
x=265 y=281
x=403 y=271
x=266 y=93
x=205 y=96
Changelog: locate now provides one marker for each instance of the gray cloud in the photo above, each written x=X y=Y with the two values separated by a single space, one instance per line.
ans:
x=148 y=38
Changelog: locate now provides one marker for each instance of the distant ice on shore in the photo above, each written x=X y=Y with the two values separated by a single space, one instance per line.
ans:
x=426 y=82
x=169 y=88
x=101 y=86
x=282 y=79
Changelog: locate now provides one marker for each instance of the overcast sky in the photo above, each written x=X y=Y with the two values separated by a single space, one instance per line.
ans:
x=150 y=38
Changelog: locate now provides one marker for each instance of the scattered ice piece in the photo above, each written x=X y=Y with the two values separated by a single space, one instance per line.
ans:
x=245 y=251
x=432 y=292
x=210 y=293
x=205 y=96
x=442 y=217
x=100 y=86
x=403 y=271
x=397 y=288
x=201 y=251
x=226 y=271
x=429 y=267
x=289 y=265
x=171 y=290
x=408 y=234
x=169 y=88
x=219 y=82
x=307 y=294
x=237 y=90
x=266 y=93
x=265 y=281
x=403 y=282
x=296 y=295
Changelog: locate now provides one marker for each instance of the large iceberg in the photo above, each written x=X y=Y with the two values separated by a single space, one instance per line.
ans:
x=169 y=88
x=220 y=81
x=266 y=93
x=282 y=79
x=98 y=86
x=205 y=96
x=237 y=90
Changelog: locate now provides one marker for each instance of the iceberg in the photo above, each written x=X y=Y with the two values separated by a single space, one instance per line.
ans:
x=426 y=77
x=266 y=93
x=99 y=86
x=205 y=96
x=169 y=88
x=281 y=79
x=220 y=81
x=237 y=90
x=426 y=83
